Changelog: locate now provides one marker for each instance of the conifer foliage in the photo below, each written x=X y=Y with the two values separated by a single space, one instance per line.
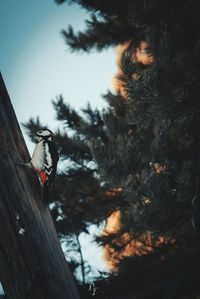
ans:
x=78 y=198
x=153 y=126
x=147 y=143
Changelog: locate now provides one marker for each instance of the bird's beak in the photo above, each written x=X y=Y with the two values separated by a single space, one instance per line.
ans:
x=33 y=136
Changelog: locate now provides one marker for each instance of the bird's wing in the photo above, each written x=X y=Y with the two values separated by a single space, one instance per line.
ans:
x=51 y=160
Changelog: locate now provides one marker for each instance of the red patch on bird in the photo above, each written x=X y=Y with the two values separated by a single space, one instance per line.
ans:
x=43 y=177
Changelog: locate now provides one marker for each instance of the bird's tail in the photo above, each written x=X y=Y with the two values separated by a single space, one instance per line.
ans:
x=45 y=193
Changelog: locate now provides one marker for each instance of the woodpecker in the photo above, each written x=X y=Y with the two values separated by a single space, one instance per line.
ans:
x=44 y=160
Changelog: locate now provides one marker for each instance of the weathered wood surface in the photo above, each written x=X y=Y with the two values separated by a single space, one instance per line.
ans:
x=32 y=264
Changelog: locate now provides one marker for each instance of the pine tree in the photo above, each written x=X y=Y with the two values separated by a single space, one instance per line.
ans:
x=79 y=198
x=146 y=143
x=157 y=124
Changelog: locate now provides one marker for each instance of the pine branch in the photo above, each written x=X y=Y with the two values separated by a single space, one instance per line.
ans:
x=67 y=114
x=96 y=35
x=32 y=126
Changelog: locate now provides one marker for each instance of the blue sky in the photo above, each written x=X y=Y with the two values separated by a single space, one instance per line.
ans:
x=37 y=66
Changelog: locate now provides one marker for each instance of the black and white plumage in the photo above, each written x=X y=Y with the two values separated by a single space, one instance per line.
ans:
x=44 y=160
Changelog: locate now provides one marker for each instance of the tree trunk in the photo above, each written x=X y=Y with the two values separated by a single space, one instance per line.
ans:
x=32 y=264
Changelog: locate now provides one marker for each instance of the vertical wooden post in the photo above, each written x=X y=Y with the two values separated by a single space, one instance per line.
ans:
x=32 y=264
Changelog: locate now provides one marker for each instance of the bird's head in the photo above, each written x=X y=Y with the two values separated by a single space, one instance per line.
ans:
x=45 y=134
